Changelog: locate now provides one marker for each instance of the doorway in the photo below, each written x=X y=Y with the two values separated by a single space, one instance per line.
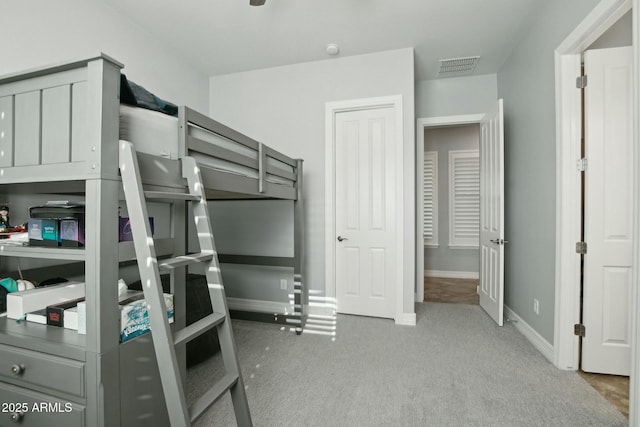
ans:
x=569 y=187
x=364 y=207
x=491 y=231
x=566 y=351
x=422 y=124
x=451 y=214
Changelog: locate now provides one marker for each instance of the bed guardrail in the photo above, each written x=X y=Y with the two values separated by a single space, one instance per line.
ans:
x=239 y=149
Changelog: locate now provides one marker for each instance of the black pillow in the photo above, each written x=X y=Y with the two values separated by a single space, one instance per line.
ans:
x=137 y=96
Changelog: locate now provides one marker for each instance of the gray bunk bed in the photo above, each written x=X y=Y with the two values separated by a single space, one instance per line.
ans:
x=59 y=132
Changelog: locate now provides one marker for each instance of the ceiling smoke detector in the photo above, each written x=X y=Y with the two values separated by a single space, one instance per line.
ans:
x=457 y=66
x=256 y=2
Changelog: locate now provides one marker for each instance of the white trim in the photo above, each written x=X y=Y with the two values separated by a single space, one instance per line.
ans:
x=406 y=319
x=568 y=190
x=421 y=124
x=261 y=306
x=538 y=341
x=331 y=109
x=634 y=395
x=452 y=274
x=466 y=119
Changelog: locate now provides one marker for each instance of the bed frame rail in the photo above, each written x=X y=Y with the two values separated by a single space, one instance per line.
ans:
x=249 y=153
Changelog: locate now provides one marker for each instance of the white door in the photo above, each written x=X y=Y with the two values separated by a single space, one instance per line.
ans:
x=492 y=213
x=609 y=194
x=365 y=222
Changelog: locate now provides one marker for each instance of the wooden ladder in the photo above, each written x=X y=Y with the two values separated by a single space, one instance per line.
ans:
x=164 y=340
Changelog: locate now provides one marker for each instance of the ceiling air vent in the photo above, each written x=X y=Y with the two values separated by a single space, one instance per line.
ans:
x=457 y=66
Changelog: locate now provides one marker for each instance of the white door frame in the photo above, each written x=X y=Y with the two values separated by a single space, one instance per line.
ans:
x=568 y=189
x=331 y=109
x=422 y=124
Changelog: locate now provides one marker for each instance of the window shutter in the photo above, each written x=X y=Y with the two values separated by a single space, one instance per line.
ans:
x=464 y=198
x=430 y=198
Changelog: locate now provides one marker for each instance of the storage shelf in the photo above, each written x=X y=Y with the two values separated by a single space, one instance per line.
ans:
x=72 y=254
x=126 y=251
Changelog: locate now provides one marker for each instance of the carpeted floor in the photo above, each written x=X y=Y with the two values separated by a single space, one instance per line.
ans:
x=455 y=368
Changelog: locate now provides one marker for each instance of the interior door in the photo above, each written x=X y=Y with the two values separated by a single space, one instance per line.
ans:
x=365 y=212
x=608 y=216
x=492 y=213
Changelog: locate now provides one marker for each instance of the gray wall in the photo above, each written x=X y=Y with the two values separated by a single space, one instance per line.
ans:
x=443 y=140
x=456 y=96
x=262 y=228
x=617 y=36
x=40 y=32
x=527 y=84
x=285 y=108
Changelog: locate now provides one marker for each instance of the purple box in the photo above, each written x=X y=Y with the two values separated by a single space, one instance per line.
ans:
x=124 y=232
x=71 y=232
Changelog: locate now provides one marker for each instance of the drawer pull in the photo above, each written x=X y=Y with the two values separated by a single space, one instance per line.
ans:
x=17 y=417
x=17 y=369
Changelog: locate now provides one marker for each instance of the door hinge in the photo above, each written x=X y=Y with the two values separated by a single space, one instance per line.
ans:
x=582 y=164
x=579 y=329
x=581 y=82
x=581 y=248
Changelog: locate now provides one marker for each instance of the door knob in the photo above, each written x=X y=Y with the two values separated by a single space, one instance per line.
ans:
x=499 y=241
x=340 y=238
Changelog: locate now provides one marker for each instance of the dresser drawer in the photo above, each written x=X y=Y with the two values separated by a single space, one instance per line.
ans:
x=28 y=368
x=26 y=408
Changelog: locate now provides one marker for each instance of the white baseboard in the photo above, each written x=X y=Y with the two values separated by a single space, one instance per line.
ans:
x=452 y=274
x=243 y=304
x=406 y=319
x=534 y=337
x=321 y=310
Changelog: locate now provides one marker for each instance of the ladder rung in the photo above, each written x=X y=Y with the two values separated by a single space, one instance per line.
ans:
x=209 y=397
x=165 y=196
x=198 y=328
x=182 y=260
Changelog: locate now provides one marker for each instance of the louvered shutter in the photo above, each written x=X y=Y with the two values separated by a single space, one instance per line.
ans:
x=430 y=197
x=464 y=198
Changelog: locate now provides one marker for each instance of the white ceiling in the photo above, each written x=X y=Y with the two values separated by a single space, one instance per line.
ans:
x=227 y=36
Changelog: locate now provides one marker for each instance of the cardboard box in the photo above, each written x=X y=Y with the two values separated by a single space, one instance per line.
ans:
x=82 y=318
x=56 y=312
x=134 y=317
x=71 y=318
x=38 y=316
x=23 y=302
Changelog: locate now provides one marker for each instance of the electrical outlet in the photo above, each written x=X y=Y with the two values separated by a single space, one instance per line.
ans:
x=283 y=284
x=536 y=306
